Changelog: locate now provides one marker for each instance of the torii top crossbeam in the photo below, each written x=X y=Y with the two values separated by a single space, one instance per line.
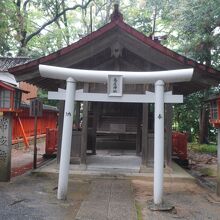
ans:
x=100 y=76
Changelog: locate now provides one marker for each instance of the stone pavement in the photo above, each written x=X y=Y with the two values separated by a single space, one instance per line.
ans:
x=108 y=200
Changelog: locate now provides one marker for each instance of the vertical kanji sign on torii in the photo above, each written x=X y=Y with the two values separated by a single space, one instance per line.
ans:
x=115 y=85
x=115 y=80
x=5 y=145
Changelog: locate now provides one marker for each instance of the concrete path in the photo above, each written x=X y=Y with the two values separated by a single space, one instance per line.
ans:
x=108 y=200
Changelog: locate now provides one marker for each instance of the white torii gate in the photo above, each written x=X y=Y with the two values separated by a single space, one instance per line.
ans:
x=115 y=80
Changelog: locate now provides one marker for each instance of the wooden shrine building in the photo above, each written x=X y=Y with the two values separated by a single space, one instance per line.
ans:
x=117 y=46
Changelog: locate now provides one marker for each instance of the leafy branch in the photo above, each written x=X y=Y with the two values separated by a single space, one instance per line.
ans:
x=30 y=36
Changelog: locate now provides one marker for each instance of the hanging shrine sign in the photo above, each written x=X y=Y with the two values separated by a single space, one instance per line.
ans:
x=115 y=85
x=36 y=108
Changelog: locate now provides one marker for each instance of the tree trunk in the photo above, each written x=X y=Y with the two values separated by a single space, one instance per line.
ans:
x=154 y=23
x=23 y=49
x=203 y=125
x=204 y=113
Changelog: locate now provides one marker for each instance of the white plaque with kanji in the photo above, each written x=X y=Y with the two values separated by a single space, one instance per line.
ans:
x=115 y=85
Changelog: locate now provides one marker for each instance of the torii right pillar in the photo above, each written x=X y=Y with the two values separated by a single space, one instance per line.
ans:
x=158 y=203
x=158 y=142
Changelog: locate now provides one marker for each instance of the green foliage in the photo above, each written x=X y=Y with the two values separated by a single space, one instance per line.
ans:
x=149 y=17
x=28 y=27
x=186 y=115
x=194 y=23
x=203 y=148
x=140 y=18
x=42 y=94
x=6 y=39
x=189 y=24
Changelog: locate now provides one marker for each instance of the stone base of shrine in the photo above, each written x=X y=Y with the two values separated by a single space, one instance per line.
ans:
x=94 y=170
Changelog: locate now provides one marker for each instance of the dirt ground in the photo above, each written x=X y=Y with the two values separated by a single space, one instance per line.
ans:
x=189 y=199
x=203 y=166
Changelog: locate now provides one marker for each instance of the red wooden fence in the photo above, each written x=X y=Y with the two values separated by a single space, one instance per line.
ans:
x=179 y=145
x=51 y=141
x=48 y=120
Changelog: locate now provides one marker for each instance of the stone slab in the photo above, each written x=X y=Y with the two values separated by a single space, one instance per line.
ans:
x=93 y=210
x=121 y=211
x=110 y=204
x=100 y=196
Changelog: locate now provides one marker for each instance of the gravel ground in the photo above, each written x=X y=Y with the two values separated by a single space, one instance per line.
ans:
x=31 y=197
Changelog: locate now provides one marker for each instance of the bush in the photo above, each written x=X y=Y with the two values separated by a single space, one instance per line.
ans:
x=203 y=148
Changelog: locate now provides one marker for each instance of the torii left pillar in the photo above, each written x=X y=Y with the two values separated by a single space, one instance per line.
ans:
x=66 y=138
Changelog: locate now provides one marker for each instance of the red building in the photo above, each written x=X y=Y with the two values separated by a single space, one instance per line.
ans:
x=16 y=97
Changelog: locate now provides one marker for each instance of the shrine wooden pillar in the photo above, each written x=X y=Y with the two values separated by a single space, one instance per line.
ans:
x=138 y=135
x=144 y=134
x=84 y=137
x=94 y=125
x=168 y=134
x=78 y=105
